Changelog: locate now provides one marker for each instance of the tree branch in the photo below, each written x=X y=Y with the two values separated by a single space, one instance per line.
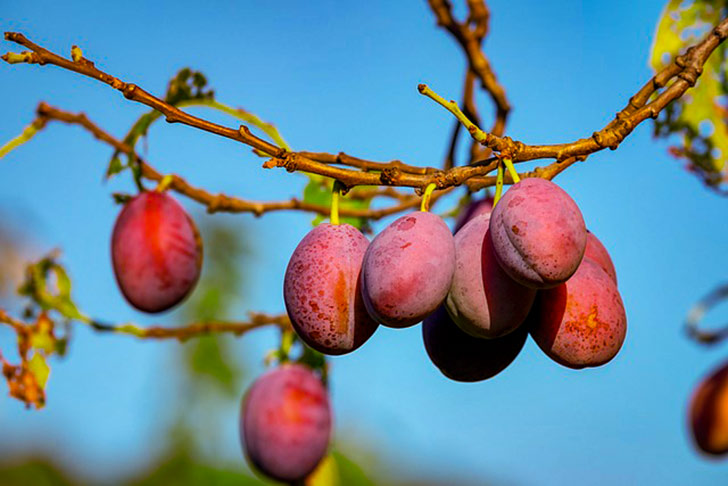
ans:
x=684 y=72
x=222 y=202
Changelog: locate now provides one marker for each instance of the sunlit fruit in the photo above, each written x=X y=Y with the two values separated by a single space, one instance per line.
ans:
x=322 y=289
x=408 y=269
x=156 y=252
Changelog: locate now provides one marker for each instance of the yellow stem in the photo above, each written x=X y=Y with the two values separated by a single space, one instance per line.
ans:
x=425 y=205
x=335 y=203
x=512 y=171
x=498 y=184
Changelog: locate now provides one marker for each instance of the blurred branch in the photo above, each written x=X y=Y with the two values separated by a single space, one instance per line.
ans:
x=183 y=333
x=697 y=313
x=684 y=72
x=470 y=35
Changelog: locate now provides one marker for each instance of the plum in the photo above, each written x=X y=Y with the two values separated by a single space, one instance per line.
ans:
x=321 y=289
x=408 y=269
x=709 y=413
x=538 y=233
x=483 y=300
x=156 y=252
x=474 y=209
x=462 y=357
x=596 y=252
x=285 y=423
x=580 y=323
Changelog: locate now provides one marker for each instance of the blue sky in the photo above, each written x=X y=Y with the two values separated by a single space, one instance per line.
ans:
x=340 y=76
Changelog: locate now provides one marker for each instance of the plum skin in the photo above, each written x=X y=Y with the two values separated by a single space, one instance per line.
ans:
x=538 y=233
x=598 y=253
x=156 y=252
x=473 y=210
x=322 y=292
x=462 y=357
x=285 y=422
x=408 y=269
x=708 y=413
x=483 y=300
x=580 y=323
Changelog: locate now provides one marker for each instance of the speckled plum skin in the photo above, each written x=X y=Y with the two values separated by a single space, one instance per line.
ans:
x=709 y=413
x=538 y=233
x=408 y=269
x=473 y=210
x=285 y=423
x=596 y=252
x=321 y=289
x=483 y=300
x=462 y=357
x=156 y=252
x=582 y=322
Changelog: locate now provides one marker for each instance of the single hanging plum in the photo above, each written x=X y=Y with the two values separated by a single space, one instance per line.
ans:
x=462 y=357
x=580 y=323
x=285 y=423
x=709 y=413
x=472 y=210
x=321 y=289
x=538 y=233
x=483 y=300
x=408 y=269
x=595 y=251
x=156 y=252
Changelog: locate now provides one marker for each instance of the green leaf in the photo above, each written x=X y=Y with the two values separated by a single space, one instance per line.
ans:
x=121 y=198
x=40 y=369
x=115 y=166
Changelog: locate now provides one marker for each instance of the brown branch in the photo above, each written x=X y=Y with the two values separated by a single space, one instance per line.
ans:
x=394 y=174
x=470 y=35
x=222 y=202
x=683 y=73
x=676 y=79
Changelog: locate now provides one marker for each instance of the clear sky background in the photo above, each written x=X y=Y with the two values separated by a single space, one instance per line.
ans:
x=338 y=76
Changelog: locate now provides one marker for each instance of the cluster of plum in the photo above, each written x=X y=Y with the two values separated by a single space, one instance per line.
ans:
x=528 y=264
x=524 y=265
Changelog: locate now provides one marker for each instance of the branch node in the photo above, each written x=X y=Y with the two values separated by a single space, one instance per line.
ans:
x=390 y=175
x=128 y=90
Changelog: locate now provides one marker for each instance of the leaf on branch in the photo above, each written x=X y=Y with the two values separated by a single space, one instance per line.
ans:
x=318 y=191
x=24 y=384
x=38 y=276
x=700 y=117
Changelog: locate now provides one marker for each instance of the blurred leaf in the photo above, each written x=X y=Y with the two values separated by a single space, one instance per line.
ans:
x=325 y=474
x=40 y=369
x=350 y=474
x=209 y=356
x=42 y=337
x=699 y=117
x=115 y=166
x=120 y=198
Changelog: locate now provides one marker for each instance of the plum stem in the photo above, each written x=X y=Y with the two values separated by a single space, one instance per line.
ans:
x=511 y=170
x=335 y=193
x=425 y=205
x=498 y=184
x=164 y=183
